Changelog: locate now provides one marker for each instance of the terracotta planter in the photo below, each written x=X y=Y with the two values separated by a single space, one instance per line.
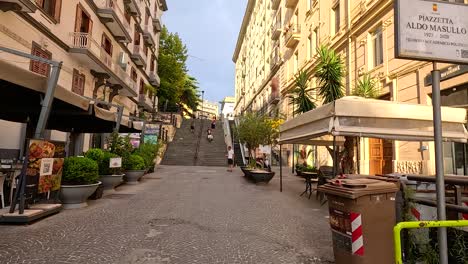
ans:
x=111 y=181
x=261 y=176
x=132 y=176
x=75 y=196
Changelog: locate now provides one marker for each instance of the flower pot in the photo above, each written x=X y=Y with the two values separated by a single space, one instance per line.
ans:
x=111 y=181
x=75 y=196
x=261 y=176
x=98 y=193
x=246 y=171
x=132 y=176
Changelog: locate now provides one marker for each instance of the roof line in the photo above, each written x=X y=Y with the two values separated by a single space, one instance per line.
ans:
x=243 y=29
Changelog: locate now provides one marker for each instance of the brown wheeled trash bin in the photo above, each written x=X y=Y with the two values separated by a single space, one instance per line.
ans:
x=362 y=216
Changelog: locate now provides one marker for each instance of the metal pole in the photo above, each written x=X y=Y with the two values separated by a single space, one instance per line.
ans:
x=281 y=169
x=142 y=135
x=46 y=104
x=334 y=156
x=293 y=146
x=119 y=118
x=440 y=184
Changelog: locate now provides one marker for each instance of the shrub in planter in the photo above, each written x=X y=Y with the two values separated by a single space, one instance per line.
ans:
x=95 y=154
x=148 y=152
x=134 y=162
x=104 y=165
x=135 y=168
x=79 y=181
x=80 y=171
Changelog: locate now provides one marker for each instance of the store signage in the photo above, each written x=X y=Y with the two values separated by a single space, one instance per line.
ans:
x=447 y=73
x=431 y=31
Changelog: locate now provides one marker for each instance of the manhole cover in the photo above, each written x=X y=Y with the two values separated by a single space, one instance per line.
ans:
x=119 y=196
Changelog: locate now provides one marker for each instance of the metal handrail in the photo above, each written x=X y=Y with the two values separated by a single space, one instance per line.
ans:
x=197 y=149
x=236 y=123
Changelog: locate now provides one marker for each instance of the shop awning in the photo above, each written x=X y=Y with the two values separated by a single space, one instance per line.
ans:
x=355 y=116
x=31 y=80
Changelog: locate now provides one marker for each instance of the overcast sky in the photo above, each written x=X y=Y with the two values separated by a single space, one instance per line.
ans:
x=209 y=28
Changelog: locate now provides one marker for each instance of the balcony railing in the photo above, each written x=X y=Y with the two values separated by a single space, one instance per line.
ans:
x=82 y=40
x=112 y=5
x=276 y=28
x=293 y=35
x=138 y=50
x=275 y=58
x=154 y=78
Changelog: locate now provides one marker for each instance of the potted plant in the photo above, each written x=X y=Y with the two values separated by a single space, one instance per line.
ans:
x=134 y=167
x=149 y=153
x=110 y=177
x=80 y=179
x=255 y=130
x=97 y=155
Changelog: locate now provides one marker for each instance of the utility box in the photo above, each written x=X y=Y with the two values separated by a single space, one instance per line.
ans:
x=362 y=217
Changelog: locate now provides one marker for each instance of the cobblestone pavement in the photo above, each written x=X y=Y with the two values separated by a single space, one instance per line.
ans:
x=181 y=215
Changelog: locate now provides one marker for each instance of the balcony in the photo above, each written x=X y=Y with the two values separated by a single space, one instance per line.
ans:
x=133 y=6
x=138 y=56
x=276 y=28
x=291 y=3
x=275 y=4
x=146 y=102
x=147 y=36
x=274 y=98
x=275 y=59
x=293 y=35
x=18 y=6
x=157 y=24
x=110 y=14
x=88 y=52
x=154 y=79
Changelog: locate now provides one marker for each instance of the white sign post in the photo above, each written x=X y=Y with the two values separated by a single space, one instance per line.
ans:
x=433 y=31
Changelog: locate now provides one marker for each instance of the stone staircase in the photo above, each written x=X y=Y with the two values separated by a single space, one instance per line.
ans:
x=182 y=151
x=212 y=153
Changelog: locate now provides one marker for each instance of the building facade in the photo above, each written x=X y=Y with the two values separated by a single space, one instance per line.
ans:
x=109 y=50
x=279 y=38
x=208 y=110
x=227 y=106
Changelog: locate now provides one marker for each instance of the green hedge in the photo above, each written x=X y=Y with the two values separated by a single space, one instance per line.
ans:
x=80 y=171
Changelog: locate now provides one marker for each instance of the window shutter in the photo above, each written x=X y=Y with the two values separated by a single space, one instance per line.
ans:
x=75 y=82
x=57 y=9
x=39 y=67
x=82 y=83
x=78 y=18
x=90 y=28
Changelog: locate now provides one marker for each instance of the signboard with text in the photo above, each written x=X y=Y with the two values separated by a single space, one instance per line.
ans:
x=431 y=31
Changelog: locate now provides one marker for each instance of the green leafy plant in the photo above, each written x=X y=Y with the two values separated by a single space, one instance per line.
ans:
x=105 y=163
x=255 y=130
x=148 y=152
x=119 y=145
x=366 y=87
x=300 y=95
x=134 y=162
x=330 y=73
x=95 y=154
x=80 y=171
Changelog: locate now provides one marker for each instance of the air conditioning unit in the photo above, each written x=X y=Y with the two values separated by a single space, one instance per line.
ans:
x=123 y=59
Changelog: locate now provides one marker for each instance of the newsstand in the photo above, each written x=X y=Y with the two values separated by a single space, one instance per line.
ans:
x=362 y=216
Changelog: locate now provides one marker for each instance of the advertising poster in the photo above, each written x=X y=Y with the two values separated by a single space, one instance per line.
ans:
x=151 y=133
x=45 y=163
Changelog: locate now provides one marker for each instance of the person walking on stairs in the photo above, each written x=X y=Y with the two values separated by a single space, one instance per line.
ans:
x=192 y=126
x=209 y=135
x=230 y=158
x=213 y=123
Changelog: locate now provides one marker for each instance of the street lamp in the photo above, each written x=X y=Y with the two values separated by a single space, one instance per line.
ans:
x=203 y=102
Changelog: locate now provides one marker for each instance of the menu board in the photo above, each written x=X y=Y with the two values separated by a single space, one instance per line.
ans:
x=45 y=164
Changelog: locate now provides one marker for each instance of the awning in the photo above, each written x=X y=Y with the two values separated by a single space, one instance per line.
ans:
x=355 y=116
x=25 y=78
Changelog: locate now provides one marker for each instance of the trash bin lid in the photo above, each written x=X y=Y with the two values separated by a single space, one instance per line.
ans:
x=355 y=188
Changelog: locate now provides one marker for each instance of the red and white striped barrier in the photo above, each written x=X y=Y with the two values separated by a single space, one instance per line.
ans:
x=357 y=245
x=415 y=212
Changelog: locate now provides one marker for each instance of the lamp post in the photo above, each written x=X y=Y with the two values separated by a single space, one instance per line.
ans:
x=203 y=101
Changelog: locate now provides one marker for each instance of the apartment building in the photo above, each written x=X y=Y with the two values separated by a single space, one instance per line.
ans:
x=207 y=109
x=109 y=50
x=278 y=38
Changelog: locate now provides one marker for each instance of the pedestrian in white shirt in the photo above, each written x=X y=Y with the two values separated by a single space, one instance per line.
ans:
x=230 y=157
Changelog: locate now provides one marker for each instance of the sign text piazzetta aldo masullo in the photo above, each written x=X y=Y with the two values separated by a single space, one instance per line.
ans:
x=430 y=30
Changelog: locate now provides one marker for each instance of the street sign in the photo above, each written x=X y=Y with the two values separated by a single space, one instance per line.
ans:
x=431 y=31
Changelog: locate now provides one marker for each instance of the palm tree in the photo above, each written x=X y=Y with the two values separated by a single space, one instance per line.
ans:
x=330 y=74
x=300 y=96
x=366 y=87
